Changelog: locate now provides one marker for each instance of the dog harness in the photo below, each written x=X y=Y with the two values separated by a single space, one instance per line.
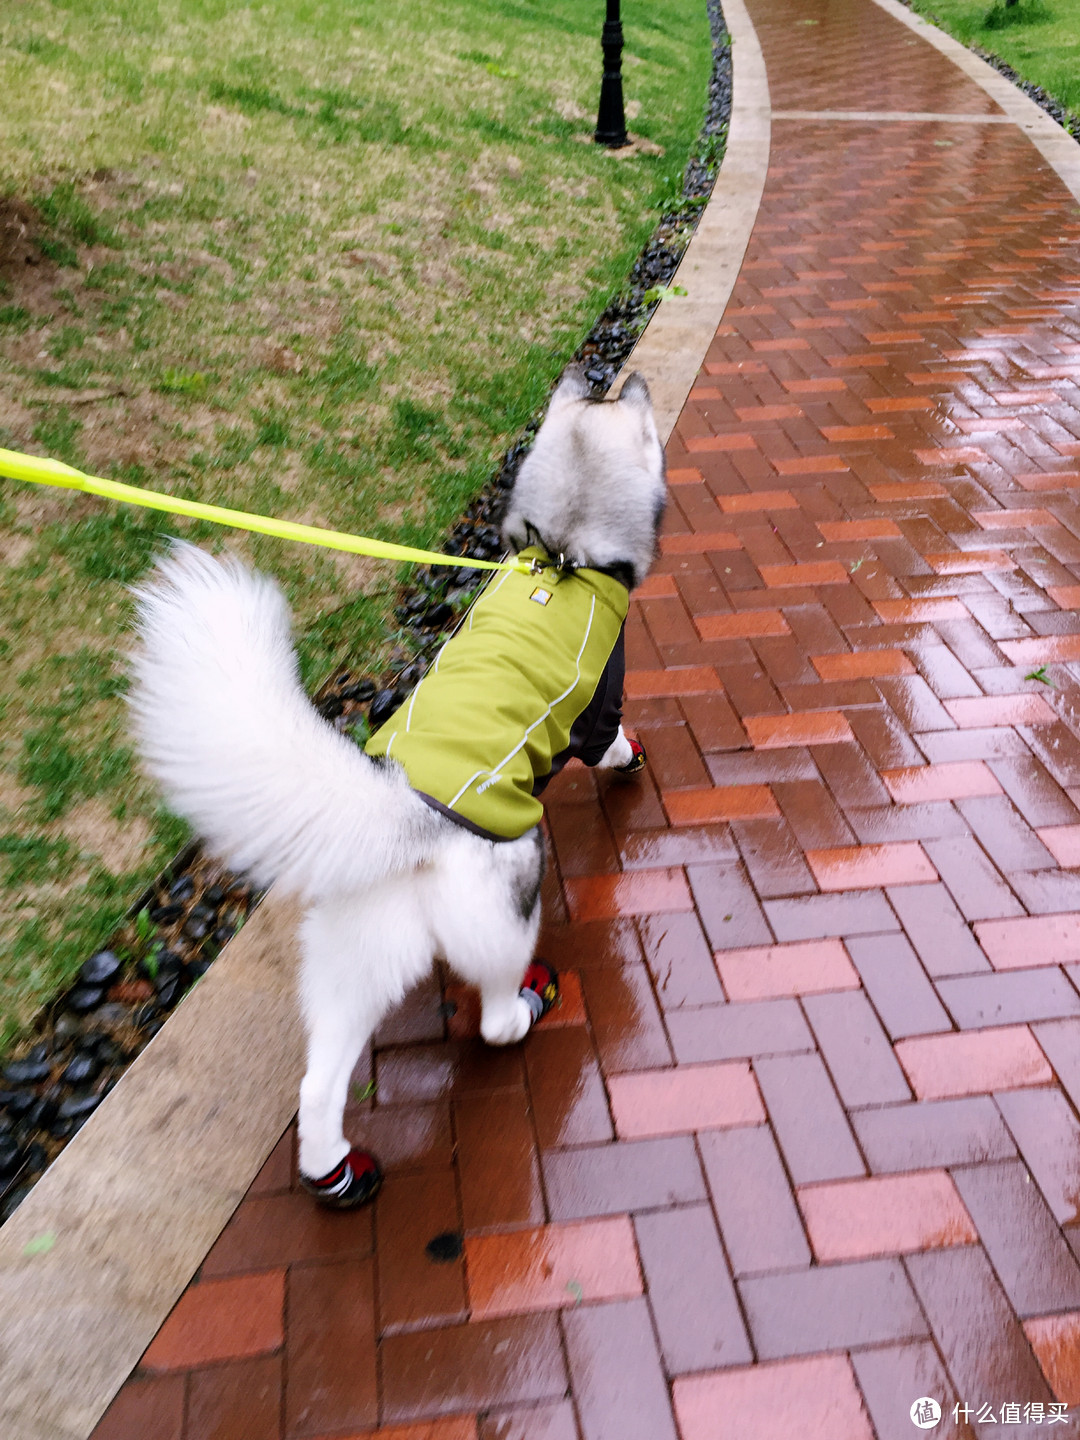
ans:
x=481 y=733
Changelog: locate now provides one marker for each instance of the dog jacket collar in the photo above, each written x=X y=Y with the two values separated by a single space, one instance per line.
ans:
x=480 y=730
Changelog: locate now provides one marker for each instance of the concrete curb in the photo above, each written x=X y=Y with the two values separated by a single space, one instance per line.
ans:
x=1058 y=149
x=676 y=339
x=135 y=1201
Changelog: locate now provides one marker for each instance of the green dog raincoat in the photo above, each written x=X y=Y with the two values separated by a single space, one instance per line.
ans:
x=533 y=676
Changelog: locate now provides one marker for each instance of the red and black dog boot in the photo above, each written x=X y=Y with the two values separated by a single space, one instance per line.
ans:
x=354 y=1182
x=637 y=762
x=539 y=989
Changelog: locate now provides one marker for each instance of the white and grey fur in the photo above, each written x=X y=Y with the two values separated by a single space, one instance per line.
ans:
x=223 y=725
x=588 y=488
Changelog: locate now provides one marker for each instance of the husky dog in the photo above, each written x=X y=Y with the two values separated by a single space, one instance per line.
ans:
x=397 y=858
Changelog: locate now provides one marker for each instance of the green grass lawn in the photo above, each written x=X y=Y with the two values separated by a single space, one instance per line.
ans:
x=314 y=259
x=1040 y=39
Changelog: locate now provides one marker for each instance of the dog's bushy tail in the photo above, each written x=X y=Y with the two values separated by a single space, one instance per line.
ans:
x=223 y=725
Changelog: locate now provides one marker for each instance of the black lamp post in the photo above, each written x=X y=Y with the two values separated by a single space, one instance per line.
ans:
x=611 y=118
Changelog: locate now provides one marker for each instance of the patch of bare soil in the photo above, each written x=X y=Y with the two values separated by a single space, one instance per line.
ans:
x=132 y=432
x=95 y=830
x=30 y=277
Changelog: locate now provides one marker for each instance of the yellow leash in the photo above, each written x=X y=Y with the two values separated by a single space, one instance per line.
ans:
x=53 y=472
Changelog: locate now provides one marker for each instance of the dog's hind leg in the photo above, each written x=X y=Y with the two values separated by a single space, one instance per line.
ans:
x=360 y=956
x=488 y=923
x=505 y=1017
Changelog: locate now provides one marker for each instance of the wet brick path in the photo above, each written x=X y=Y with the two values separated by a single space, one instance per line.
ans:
x=801 y=1144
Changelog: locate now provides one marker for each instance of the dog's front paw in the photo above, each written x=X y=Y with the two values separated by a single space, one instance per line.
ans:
x=540 y=988
x=637 y=761
x=619 y=753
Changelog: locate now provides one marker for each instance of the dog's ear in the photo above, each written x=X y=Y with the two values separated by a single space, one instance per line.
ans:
x=572 y=386
x=635 y=392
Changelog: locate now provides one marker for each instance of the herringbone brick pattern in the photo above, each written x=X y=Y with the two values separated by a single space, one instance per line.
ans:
x=801 y=1144
x=848 y=55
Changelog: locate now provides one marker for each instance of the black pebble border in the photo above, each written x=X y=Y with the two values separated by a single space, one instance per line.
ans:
x=83 y=1042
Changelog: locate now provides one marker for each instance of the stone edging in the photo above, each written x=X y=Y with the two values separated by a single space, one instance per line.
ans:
x=1056 y=146
x=673 y=344
x=122 y=1219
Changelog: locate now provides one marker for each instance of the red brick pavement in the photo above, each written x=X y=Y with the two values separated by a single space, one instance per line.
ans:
x=801 y=1144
